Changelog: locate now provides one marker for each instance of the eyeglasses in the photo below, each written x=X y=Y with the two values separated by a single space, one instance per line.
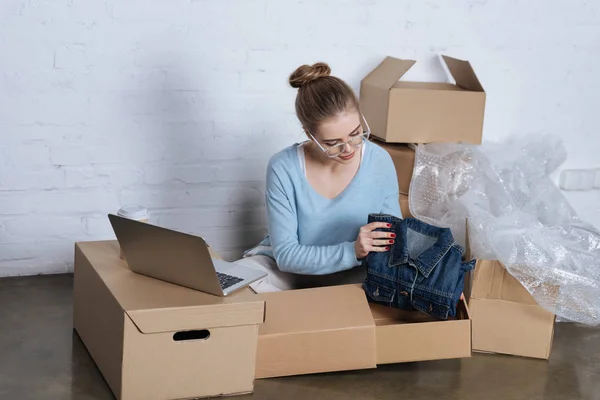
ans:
x=340 y=148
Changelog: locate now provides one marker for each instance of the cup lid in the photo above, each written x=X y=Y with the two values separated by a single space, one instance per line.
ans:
x=133 y=212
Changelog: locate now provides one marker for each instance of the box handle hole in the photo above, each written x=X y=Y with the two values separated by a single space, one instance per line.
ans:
x=201 y=334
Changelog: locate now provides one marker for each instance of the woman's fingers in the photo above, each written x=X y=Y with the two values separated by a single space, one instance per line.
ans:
x=382 y=242
x=367 y=241
x=378 y=249
x=375 y=225
x=382 y=234
x=371 y=241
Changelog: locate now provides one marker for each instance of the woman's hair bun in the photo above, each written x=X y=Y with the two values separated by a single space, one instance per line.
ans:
x=308 y=73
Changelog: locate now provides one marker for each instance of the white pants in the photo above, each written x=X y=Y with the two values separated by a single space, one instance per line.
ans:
x=277 y=280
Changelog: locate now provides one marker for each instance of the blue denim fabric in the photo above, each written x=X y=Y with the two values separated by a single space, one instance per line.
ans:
x=423 y=269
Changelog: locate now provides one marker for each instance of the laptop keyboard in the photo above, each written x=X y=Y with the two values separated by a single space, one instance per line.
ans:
x=227 y=280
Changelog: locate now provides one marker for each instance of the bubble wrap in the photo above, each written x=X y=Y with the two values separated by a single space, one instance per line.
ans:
x=516 y=215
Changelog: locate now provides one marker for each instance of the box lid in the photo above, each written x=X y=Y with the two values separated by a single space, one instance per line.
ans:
x=317 y=309
x=386 y=74
x=463 y=74
x=158 y=306
x=315 y=330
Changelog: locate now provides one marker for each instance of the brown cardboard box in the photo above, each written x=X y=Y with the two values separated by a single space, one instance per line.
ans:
x=154 y=340
x=315 y=330
x=404 y=207
x=403 y=157
x=335 y=328
x=506 y=318
x=423 y=112
x=406 y=336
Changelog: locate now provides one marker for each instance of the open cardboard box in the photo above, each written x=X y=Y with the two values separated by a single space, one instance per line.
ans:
x=406 y=336
x=506 y=318
x=335 y=328
x=423 y=112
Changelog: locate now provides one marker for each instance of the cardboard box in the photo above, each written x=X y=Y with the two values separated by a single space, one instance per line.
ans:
x=506 y=318
x=403 y=157
x=404 y=207
x=154 y=340
x=335 y=328
x=423 y=112
x=315 y=330
x=407 y=336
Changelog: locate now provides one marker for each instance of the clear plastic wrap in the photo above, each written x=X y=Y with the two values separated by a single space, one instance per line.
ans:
x=516 y=215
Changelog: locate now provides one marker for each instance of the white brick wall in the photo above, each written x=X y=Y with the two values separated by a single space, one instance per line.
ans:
x=178 y=104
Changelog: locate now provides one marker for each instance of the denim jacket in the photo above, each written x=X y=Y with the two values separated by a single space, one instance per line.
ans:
x=423 y=269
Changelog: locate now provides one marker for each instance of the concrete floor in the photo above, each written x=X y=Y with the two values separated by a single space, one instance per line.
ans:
x=42 y=358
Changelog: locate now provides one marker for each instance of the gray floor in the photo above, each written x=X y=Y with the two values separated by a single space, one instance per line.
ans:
x=42 y=358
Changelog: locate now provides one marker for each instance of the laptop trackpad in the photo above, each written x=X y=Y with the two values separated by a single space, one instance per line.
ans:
x=222 y=266
x=239 y=271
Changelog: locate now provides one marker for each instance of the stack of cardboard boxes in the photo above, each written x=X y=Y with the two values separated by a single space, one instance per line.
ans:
x=506 y=318
x=401 y=114
x=154 y=340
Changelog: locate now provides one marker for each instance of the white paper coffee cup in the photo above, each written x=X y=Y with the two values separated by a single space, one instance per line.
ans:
x=138 y=213
x=134 y=212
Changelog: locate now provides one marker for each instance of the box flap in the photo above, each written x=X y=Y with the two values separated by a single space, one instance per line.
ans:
x=317 y=309
x=386 y=74
x=508 y=327
x=463 y=74
x=428 y=86
x=197 y=317
x=492 y=281
x=158 y=306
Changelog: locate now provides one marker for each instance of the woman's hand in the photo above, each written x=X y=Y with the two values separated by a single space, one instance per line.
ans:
x=369 y=241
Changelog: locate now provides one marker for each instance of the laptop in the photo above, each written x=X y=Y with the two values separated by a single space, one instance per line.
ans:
x=178 y=258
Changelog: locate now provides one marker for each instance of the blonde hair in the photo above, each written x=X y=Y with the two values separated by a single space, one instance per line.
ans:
x=320 y=95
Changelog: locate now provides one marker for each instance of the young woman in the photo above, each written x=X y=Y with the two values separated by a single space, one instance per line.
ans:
x=320 y=192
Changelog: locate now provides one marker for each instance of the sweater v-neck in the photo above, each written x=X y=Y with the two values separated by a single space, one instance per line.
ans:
x=302 y=171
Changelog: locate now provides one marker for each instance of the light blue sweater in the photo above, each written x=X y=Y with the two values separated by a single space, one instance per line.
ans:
x=312 y=235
